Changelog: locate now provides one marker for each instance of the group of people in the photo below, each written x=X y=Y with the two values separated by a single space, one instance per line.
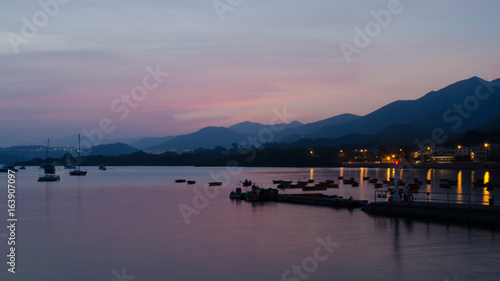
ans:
x=406 y=195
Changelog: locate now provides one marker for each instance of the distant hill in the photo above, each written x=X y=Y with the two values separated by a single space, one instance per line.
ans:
x=72 y=141
x=402 y=133
x=434 y=110
x=150 y=142
x=490 y=127
x=114 y=149
x=208 y=137
x=293 y=134
x=251 y=128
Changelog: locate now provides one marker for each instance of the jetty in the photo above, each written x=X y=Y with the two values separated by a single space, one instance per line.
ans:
x=470 y=213
x=318 y=199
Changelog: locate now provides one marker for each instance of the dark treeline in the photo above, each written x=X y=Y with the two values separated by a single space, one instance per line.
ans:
x=302 y=153
x=219 y=156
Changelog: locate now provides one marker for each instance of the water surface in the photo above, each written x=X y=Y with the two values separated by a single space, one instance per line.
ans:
x=128 y=220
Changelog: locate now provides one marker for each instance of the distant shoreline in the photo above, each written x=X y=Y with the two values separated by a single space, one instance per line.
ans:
x=451 y=166
x=473 y=165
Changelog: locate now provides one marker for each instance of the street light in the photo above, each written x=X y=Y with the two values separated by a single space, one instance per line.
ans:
x=487 y=151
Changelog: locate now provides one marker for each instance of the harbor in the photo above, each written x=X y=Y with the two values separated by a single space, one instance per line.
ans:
x=413 y=198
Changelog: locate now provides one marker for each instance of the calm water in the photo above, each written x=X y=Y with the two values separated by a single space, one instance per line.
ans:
x=126 y=224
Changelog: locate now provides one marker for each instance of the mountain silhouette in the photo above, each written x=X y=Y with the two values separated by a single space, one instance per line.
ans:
x=436 y=109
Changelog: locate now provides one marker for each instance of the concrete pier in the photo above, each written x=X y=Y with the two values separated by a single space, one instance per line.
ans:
x=317 y=199
x=442 y=211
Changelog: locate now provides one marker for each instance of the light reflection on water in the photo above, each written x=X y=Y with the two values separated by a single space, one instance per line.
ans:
x=128 y=217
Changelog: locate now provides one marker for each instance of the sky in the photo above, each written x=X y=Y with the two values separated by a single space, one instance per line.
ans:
x=127 y=69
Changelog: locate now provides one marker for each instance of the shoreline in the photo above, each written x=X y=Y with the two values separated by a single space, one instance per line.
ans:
x=474 y=165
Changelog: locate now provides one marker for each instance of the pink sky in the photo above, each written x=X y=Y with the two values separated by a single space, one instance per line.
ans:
x=263 y=55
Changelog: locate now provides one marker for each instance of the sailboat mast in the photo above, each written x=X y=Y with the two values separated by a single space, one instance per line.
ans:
x=47 y=156
x=79 y=157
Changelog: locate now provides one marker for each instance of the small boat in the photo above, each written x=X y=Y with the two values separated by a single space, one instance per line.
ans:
x=327 y=184
x=49 y=169
x=366 y=178
x=247 y=183
x=311 y=188
x=191 y=182
x=180 y=180
x=452 y=182
x=444 y=185
x=284 y=185
x=6 y=168
x=340 y=177
x=22 y=168
x=249 y=197
x=302 y=183
x=373 y=180
x=49 y=178
x=237 y=194
x=428 y=181
x=443 y=180
x=69 y=166
x=215 y=183
x=355 y=184
x=347 y=181
x=102 y=167
x=310 y=181
x=77 y=172
x=378 y=185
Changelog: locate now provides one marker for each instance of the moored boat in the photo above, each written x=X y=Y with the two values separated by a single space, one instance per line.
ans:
x=311 y=188
x=246 y=183
x=78 y=172
x=180 y=180
x=215 y=183
x=49 y=169
x=191 y=182
x=6 y=168
x=49 y=178
x=237 y=194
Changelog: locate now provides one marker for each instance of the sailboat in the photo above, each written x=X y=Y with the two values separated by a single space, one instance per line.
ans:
x=49 y=169
x=78 y=172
